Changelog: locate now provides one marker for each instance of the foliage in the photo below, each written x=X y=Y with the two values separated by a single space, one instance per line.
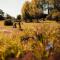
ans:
x=8 y=16
x=18 y=17
x=34 y=10
x=1 y=17
x=25 y=10
x=57 y=6
x=54 y=15
x=31 y=10
x=8 y=22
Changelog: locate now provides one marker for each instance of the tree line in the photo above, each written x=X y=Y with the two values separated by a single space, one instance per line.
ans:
x=34 y=9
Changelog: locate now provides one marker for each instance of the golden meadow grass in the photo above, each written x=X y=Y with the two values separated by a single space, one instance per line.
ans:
x=10 y=38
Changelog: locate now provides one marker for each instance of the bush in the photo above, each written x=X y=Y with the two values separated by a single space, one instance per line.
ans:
x=8 y=22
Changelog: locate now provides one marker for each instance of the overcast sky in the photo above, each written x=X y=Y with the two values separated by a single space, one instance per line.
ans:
x=12 y=7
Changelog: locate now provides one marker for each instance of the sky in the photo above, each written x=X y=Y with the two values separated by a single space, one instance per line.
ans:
x=12 y=7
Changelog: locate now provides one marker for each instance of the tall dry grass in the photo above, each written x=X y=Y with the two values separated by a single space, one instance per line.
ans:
x=16 y=43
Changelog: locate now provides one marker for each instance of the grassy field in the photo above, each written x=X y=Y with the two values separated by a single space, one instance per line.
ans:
x=18 y=43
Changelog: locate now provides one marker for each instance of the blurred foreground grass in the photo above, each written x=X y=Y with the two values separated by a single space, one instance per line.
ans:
x=15 y=42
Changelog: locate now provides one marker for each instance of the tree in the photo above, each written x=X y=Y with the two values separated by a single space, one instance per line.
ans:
x=36 y=9
x=1 y=15
x=19 y=21
x=8 y=16
x=1 y=12
x=25 y=10
x=57 y=4
x=18 y=17
x=32 y=10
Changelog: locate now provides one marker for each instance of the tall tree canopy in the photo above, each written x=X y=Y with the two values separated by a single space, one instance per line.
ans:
x=34 y=9
x=31 y=9
x=25 y=10
x=57 y=4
